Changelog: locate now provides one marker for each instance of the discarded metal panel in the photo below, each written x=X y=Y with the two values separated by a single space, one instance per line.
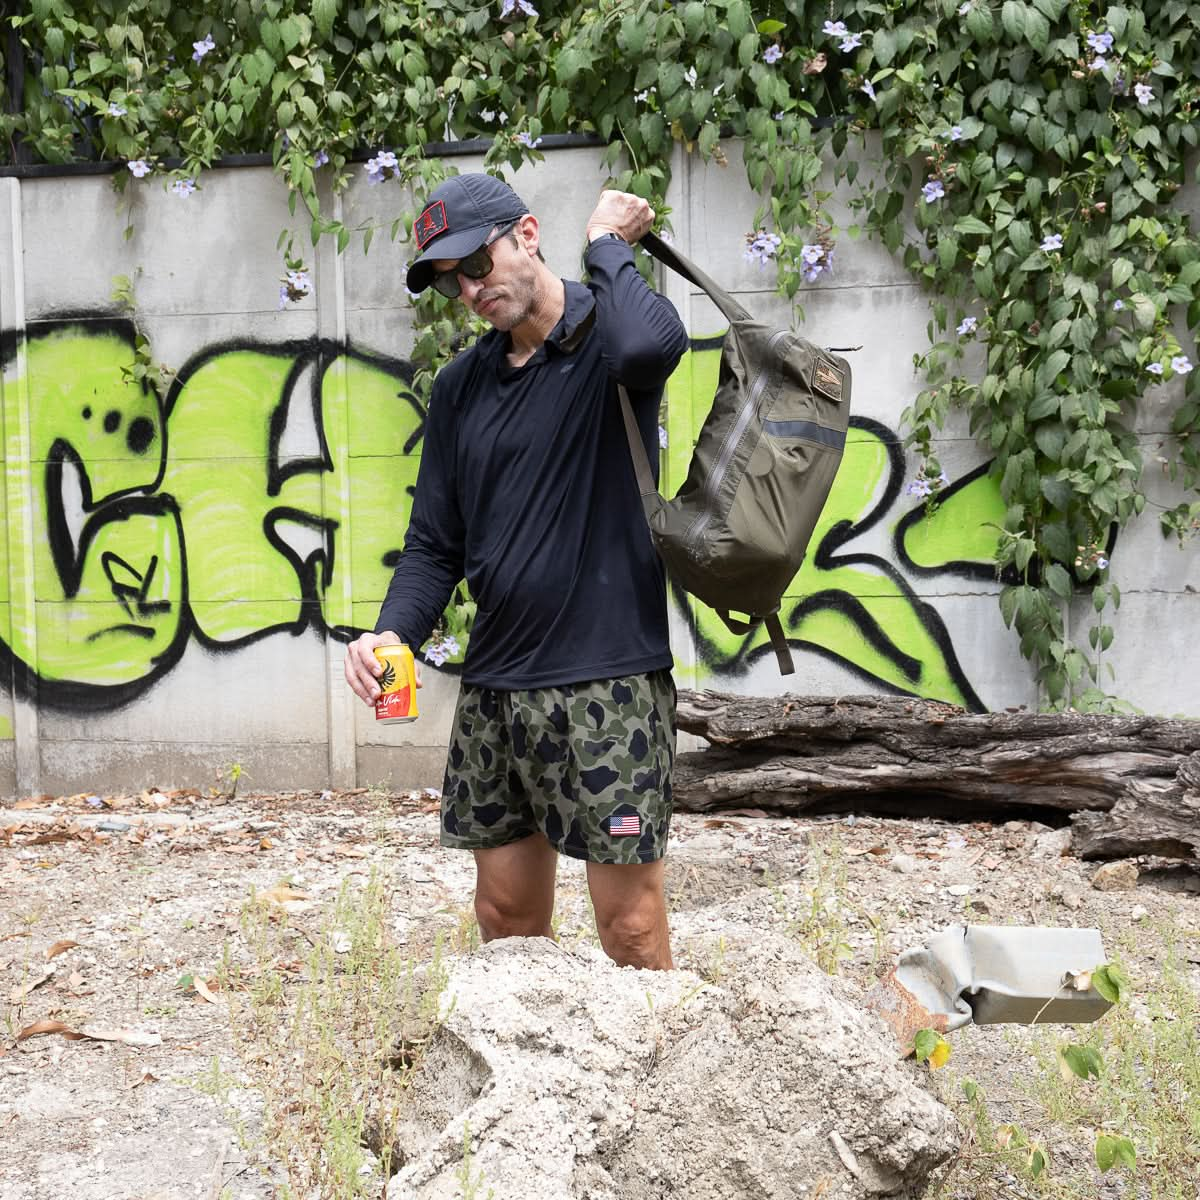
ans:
x=990 y=974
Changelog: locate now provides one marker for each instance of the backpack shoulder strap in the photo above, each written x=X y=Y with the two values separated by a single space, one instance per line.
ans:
x=651 y=500
x=783 y=653
x=670 y=257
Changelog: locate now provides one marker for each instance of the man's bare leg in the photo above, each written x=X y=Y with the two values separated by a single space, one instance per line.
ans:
x=514 y=888
x=631 y=913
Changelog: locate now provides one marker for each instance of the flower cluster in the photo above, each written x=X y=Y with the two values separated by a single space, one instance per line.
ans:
x=378 y=166
x=200 y=49
x=924 y=485
x=295 y=286
x=837 y=29
x=1180 y=365
x=762 y=246
x=527 y=140
x=320 y=159
x=441 y=649
x=116 y=110
x=816 y=258
x=488 y=115
x=1091 y=557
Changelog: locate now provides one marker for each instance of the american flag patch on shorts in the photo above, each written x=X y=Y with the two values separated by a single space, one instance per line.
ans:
x=625 y=826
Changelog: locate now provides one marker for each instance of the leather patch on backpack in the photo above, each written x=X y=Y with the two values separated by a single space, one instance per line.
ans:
x=828 y=379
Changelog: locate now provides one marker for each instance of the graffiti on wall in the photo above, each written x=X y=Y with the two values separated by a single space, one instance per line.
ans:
x=242 y=505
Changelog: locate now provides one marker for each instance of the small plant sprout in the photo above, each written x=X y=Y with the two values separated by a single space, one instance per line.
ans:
x=930 y=1047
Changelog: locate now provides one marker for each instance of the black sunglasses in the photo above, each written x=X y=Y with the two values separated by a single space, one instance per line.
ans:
x=476 y=265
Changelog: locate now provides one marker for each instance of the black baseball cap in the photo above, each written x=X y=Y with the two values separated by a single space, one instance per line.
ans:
x=457 y=220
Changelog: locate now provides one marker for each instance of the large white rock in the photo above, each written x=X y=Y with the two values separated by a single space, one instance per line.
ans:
x=574 y=1079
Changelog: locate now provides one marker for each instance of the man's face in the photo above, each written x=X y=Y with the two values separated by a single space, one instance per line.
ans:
x=504 y=297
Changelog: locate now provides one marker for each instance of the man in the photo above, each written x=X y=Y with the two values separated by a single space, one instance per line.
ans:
x=564 y=734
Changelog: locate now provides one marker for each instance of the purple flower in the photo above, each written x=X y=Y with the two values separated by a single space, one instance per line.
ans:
x=955 y=133
x=852 y=41
x=662 y=438
x=377 y=167
x=1118 y=305
x=1098 y=63
x=869 y=88
x=762 y=246
x=116 y=110
x=967 y=325
x=1181 y=364
x=812 y=254
x=920 y=487
x=320 y=159
x=200 y=49
x=1144 y=93
x=527 y=139
x=1102 y=43
x=436 y=654
x=835 y=29
x=138 y=167
x=510 y=8
x=772 y=54
x=1155 y=368
x=295 y=286
x=933 y=190
x=183 y=187
x=1101 y=562
x=1052 y=241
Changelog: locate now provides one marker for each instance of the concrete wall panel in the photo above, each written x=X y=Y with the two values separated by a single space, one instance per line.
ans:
x=182 y=577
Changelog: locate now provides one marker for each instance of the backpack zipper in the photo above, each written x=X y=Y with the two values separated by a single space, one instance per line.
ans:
x=728 y=446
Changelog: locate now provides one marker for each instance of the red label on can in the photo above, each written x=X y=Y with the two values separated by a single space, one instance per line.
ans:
x=393 y=704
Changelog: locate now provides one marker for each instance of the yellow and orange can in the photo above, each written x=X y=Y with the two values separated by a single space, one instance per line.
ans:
x=397 y=701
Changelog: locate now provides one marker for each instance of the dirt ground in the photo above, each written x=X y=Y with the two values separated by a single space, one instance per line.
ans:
x=117 y=913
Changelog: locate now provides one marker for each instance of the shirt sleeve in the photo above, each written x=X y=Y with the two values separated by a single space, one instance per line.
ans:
x=642 y=337
x=431 y=563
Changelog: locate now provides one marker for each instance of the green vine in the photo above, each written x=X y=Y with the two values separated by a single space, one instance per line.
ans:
x=1022 y=159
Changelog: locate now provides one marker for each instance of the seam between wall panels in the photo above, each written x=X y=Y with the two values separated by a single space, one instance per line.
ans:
x=19 y=500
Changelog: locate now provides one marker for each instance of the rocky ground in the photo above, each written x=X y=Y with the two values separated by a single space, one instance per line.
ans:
x=127 y=1071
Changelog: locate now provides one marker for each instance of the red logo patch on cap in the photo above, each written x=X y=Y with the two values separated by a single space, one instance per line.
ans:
x=429 y=224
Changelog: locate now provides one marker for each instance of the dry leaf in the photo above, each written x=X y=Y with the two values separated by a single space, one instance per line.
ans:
x=147 y=1077
x=868 y=850
x=40 y=1027
x=19 y=993
x=266 y=844
x=32 y=802
x=75 y=981
x=351 y=851
x=281 y=893
x=55 y=835
x=203 y=990
x=816 y=64
x=991 y=862
x=58 y=948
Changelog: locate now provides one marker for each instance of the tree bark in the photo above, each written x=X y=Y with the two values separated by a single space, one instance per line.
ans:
x=1130 y=785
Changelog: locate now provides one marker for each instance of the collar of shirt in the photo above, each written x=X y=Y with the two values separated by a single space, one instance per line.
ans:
x=566 y=337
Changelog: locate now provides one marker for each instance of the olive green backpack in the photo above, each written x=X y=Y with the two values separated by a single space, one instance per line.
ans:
x=735 y=534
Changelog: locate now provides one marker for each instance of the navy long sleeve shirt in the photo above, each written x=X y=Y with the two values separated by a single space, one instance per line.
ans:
x=526 y=489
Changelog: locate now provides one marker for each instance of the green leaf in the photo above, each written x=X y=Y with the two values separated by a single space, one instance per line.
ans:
x=970 y=224
x=1111 y=982
x=1084 y=1061
x=980 y=24
x=924 y=1043
x=324 y=13
x=1110 y=1150
x=884 y=46
x=1122 y=271
x=1058 y=581
x=1012 y=17
x=1050 y=368
x=770 y=27
x=1037 y=1161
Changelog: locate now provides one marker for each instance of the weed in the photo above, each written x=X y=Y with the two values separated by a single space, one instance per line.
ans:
x=820 y=921
x=472 y=1186
x=319 y=1038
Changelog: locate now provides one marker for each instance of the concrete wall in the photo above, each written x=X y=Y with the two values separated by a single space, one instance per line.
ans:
x=176 y=584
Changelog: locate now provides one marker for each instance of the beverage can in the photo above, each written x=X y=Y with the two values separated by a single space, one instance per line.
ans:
x=397 y=701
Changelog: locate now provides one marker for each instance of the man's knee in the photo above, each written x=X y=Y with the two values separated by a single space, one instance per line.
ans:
x=636 y=937
x=500 y=917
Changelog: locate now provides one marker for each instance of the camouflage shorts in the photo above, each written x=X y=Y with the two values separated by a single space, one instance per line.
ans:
x=587 y=764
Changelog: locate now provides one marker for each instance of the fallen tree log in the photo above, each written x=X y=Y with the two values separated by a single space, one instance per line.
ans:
x=1129 y=784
